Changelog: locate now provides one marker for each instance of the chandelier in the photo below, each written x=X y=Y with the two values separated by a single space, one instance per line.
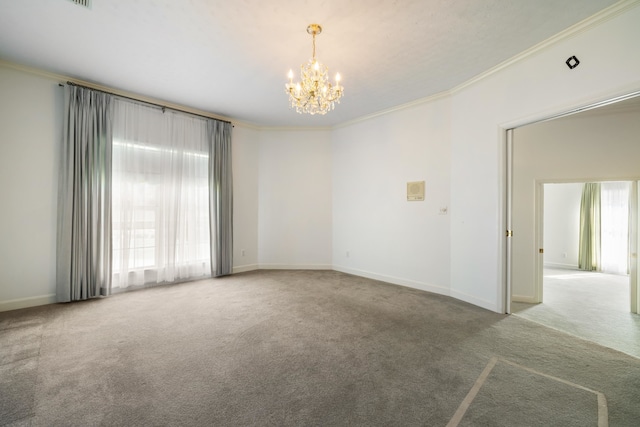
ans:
x=314 y=94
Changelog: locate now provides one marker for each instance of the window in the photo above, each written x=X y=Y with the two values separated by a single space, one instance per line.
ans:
x=614 y=218
x=160 y=196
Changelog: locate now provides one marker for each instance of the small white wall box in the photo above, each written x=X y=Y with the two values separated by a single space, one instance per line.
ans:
x=415 y=191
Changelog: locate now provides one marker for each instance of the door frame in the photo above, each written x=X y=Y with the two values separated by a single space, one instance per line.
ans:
x=506 y=137
x=634 y=232
x=539 y=241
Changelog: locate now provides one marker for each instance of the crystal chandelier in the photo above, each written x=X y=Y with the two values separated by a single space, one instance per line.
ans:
x=314 y=94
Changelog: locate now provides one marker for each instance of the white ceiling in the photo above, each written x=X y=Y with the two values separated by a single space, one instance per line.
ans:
x=231 y=57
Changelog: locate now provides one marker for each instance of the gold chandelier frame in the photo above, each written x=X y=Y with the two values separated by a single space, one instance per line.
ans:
x=314 y=94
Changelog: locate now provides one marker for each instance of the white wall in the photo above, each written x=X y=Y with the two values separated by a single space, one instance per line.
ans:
x=590 y=147
x=295 y=199
x=30 y=131
x=376 y=232
x=530 y=89
x=245 y=155
x=562 y=224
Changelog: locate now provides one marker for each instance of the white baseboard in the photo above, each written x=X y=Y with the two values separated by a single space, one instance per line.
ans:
x=16 y=304
x=488 y=305
x=244 y=268
x=441 y=290
x=560 y=265
x=394 y=280
x=253 y=267
x=523 y=298
x=295 y=267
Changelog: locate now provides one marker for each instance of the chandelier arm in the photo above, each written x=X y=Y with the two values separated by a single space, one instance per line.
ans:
x=293 y=95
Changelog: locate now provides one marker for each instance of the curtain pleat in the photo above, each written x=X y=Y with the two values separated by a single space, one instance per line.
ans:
x=589 y=246
x=220 y=198
x=83 y=257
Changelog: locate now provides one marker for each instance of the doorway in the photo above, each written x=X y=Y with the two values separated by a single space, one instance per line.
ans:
x=592 y=145
x=592 y=304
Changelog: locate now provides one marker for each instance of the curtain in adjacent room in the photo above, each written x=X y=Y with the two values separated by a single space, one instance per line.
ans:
x=220 y=197
x=589 y=246
x=161 y=225
x=83 y=263
x=614 y=213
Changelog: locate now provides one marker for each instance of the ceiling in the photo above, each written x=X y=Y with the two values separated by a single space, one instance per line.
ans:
x=231 y=58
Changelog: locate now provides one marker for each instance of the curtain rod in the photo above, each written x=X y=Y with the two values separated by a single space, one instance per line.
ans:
x=147 y=102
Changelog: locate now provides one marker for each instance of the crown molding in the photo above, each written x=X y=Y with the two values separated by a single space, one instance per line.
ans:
x=246 y=125
x=582 y=26
x=294 y=129
x=576 y=29
x=62 y=79
x=35 y=71
x=431 y=98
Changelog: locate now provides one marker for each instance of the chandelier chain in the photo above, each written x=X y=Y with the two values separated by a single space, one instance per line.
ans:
x=314 y=45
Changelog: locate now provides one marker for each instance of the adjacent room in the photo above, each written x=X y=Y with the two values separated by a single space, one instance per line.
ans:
x=311 y=213
x=584 y=211
x=591 y=300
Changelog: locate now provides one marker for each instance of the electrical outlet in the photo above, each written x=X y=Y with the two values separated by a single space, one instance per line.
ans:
x=348 y=254
x=243 y=252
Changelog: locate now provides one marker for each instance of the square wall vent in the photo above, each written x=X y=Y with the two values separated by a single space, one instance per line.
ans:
x=85 y=3
x=415 y=191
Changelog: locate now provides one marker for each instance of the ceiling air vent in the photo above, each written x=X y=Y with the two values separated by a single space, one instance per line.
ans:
x=85 y=3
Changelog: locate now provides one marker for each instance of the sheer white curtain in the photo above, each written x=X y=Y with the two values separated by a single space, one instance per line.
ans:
x=614 y=212
x=160 y=196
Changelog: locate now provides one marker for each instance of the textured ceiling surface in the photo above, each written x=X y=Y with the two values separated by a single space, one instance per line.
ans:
x=231 y=57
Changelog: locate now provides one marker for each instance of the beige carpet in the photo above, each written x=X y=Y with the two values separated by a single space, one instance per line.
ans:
x=590 y=305
x=299 y=348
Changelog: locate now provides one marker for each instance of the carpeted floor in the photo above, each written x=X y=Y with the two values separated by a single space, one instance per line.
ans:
x=289 y=348
x=590 y=305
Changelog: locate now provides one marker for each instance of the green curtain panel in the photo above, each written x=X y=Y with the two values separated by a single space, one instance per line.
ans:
x=589 y=249
x=220 y=197
x=83 y=264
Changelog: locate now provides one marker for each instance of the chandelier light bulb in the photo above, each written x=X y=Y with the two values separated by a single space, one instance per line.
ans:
x=314 y=94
